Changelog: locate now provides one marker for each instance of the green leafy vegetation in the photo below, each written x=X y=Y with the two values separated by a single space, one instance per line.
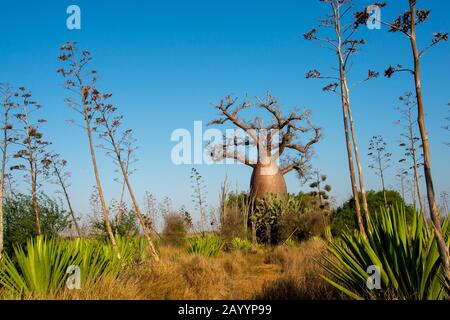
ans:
x=175 y=229
x=20 y=223
x=240 y=244
x=344 y=218
x=405 y=253
x=41 y=267
x=208 y=246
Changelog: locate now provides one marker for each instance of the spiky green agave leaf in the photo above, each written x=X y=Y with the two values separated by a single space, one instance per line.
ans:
x=406 y=255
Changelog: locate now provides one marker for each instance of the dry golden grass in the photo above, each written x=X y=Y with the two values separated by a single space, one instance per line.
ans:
x=300 y=273
x=262 y=273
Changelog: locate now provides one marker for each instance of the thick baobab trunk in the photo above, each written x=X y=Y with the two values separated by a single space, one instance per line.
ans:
x=267 y=180
x=434 y=211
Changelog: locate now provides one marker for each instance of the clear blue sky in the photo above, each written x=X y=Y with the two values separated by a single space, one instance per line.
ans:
x=166 y=61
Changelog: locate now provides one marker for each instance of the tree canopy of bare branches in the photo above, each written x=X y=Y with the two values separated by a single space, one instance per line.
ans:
x=272 y=148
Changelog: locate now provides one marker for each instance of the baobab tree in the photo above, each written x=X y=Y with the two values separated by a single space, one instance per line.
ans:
x=56 y=167
x=282 y=145
x=409 y=143
x=341 y=40
x=120 y=147
x=32 y=147
x=81 y=83
x=406 y=24
x=381 y=159
x=7 y=138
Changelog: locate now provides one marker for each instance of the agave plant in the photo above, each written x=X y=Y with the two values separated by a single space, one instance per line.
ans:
x=42 y=267
x=209 y=246
x=406 y=256
x=92 y=261
x=240 y=244
x=131 y=250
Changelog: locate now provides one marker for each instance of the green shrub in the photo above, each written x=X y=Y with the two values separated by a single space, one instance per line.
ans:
x=344 y=218
x=208 y=246
x=132 y=250
x=41 y=268
x=93 y=262
x=234 y=223
x=406 y=255
x=125 y=224
x=299 y=218
x=20 y=220
x=175 y=230
x=240 y=244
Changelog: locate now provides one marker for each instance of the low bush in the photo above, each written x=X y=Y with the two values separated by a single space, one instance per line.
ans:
x=344 y=218
x=175 y=230
x=299 y=218
x=208 y=246
x=240 y=244
x=20 y=220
